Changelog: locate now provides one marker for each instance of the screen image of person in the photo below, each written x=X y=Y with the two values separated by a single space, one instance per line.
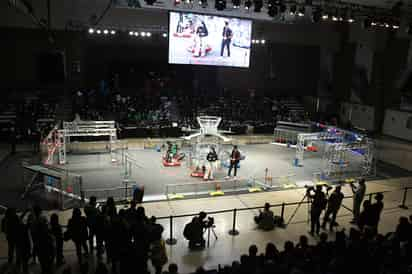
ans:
x=209 y=40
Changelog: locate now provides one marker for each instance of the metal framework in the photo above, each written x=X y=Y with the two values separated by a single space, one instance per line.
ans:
x=80 y=128
x=208 y=127
x=304 y=138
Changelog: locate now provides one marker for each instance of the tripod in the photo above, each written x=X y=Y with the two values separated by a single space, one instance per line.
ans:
x=309 y=201
x=210 y=228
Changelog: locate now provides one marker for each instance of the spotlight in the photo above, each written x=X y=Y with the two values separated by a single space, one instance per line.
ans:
x=325 y=17
x=148 y=34
x=131 y=33
x=351 y=20
x=374 y=24
x=164 y=35
x=143 y=34
x=263 y=41
x=292 y=9
x=257 y=41
x=98 y=31
x=253 y=41
x=91 y=31
x=258 y=5
x=301 y=11
x=136 y=33
x=386 y=25
x=334 y=18
x=105 y=31
x=395 y=26
x=248 y=3
x=112 y=32
x=236 y=4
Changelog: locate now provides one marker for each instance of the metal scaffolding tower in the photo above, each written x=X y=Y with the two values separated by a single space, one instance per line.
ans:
x=80 y=128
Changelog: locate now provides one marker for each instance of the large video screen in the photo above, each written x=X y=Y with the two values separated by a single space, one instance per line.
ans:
x=209 y=40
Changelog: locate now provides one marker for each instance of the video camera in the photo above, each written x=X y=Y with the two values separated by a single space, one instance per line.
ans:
x=210 y=222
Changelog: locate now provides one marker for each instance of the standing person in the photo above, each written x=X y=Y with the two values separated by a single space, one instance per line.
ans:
x=36 y=221
x=77 y=232
x=92 y=212
x=319 y=202
x=358 y=194
x=46 y=248
x=211 y=160
x=227 y=35
x=57 y=232
x=9 y=226
x=376 y=209
x=234 y=161
x=334 y=203
x=158 y=253
x=23 y=244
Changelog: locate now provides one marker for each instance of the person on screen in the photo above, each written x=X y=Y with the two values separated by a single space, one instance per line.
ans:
x=226 y=39
x=200 y=39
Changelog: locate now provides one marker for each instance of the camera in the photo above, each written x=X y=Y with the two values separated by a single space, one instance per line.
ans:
x=210 y=222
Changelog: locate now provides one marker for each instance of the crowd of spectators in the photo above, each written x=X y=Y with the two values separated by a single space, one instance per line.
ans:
x=153 y=111
x=130 y=240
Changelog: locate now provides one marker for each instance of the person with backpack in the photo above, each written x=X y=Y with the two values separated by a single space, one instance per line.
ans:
x=193 y=231
x=319 y=203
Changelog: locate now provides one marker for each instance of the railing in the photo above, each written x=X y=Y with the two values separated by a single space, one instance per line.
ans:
x=121 y=193
x=234 y=230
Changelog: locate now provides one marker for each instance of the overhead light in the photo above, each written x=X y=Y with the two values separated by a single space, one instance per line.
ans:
x=351 y=20
x=334 y=18
x=148 y=34
x=262 y=41
x=91 y=31
x=98 y=31
x=325 y=17
x=374 y=24
x=253 y=41
x=105 y=31
x=257 y=41
x=248 y=3
x=387 y=25
x=131 y=33
x=136 y=33
x=301 y=11
x=164 y=35
x=395 y=27
x=143 y=34
x=112 y=32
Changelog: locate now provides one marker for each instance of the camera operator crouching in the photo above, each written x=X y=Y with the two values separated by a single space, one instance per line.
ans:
x=193 y=231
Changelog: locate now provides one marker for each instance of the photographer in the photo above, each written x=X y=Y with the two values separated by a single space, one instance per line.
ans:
x=334 y=203
x=319 y=202
x=265 y=220
x=193 y=231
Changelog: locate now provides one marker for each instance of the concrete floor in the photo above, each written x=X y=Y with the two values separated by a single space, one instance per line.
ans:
x=228 y=248
x=99 y=172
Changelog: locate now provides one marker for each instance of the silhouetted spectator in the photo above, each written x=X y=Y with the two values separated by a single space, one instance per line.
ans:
x=403 y=230
x=111 y=210
x=334 y=203
x=77 y=232
x=57 y=232
x=36 y=222
x=46 y=248
x=271 y=253
x=376 y=209
x=91 y=211
x=318 y=204
x=158 y=249
x=10 y=226
x=172 y=269
x=366 y=217
x=23 y=244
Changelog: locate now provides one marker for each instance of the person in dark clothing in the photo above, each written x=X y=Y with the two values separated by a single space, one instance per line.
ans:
x=91 y=212
x=77 y=232
x=318 y=204
x=23 y=245
x=234 y=161
x=227 y=36
x=194 y=231
x=334 y=203
x=57 y=232
x=211 y=158
x=366 y=216
x=9 y=226
x=403 y=230
x=36 y=221
x=46 y=248
x=376 y=209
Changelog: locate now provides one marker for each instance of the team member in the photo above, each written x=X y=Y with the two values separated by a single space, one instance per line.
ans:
x=226 y=39
x=319 y=202
x=234 y=161
x=358 y=194
x=334 y=203
x=211 y=160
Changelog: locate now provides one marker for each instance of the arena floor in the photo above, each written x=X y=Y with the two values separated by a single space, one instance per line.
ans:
x=98 y=172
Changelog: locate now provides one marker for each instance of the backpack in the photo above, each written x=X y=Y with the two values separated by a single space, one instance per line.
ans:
x=188 y=230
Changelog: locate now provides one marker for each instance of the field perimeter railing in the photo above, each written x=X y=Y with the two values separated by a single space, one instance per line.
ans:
x=234 y=231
